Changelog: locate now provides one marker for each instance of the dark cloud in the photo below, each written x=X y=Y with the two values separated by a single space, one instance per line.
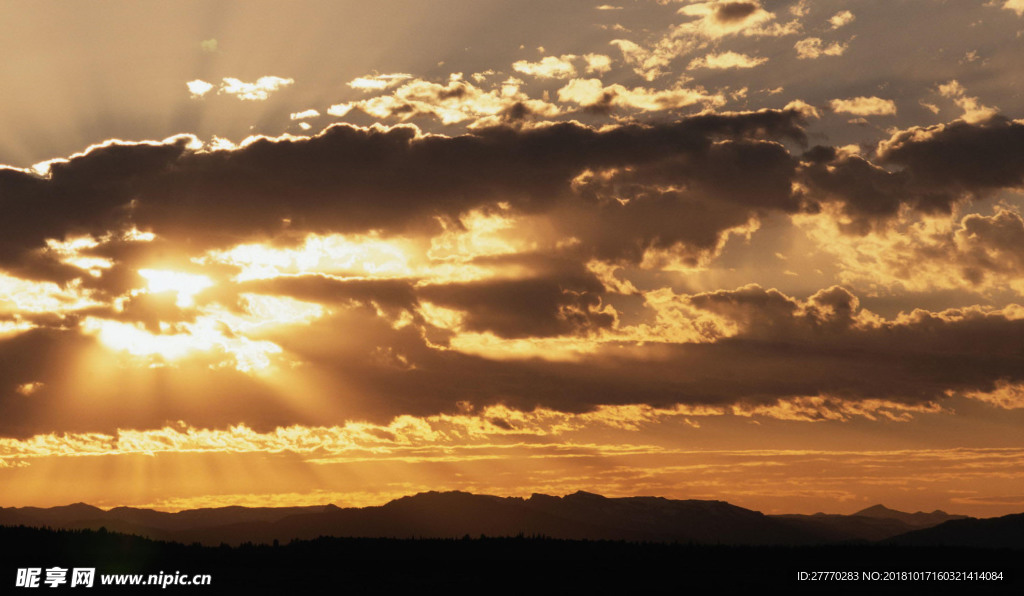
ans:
x=868 y=193
x=928 y=168
x=771 y=314
x=960 y=157
x=785 y=348
x=652 y=219
x=682 y=200
x=731 y=12
x=560 y=299
x=821 y=342
x=91 y=192
x=391 y=293
x=345 y=179
x=540 y=307
x=993 y=244
x=750 y=174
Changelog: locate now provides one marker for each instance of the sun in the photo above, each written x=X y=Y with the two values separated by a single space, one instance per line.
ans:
x=184 y=285
x=212 y=334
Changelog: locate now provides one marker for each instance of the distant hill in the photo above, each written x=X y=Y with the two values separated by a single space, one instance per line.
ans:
x=919 y=519
x=842 y=528
x=871 y=524
x=998 y=532
x=579 y=516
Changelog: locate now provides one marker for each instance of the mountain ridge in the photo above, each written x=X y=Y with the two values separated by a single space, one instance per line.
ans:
x=919 y=518
x=454 y=514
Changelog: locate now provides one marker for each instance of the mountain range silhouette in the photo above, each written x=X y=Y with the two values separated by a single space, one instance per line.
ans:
x=578 y=516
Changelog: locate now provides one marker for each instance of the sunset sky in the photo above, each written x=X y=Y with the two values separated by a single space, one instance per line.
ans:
x=290 y=253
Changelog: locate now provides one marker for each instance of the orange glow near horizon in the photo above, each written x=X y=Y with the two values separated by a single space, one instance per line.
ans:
x=616 y=451
x=771 y=481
